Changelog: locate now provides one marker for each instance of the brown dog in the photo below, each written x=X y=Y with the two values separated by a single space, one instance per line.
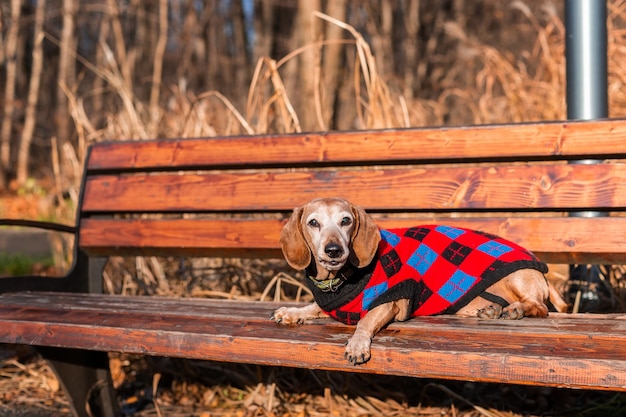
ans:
x=362 y=275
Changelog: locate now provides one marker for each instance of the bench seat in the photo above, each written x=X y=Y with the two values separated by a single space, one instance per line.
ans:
x=583 y=351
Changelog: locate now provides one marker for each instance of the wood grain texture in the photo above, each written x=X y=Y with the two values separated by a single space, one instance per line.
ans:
x=575 y=353
x=564 y=139
x=553 y=239
x=511 y=187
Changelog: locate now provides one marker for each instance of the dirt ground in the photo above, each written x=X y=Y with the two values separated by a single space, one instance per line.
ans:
x=28 y=387
x=30 y=411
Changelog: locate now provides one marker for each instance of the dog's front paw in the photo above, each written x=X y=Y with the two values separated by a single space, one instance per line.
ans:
x=289 y=315
x=358 y=349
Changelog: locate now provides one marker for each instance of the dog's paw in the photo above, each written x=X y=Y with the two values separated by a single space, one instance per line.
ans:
x=358 y=349
x=513 y=312
x=288 y=315
x=492 y=311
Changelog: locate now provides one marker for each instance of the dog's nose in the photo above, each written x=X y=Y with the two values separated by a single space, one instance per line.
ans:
x=333 y=250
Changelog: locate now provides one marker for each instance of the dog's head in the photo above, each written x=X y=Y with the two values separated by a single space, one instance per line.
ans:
x=329 y=232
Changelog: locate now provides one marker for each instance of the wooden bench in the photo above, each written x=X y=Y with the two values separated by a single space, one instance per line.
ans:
x=230 y=196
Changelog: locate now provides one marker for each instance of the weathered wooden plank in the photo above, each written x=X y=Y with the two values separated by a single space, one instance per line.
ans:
x=580 y=326
x=543 y=337
x=553 y=186
x=553 y=352
x=191 y=307
x=553 y=239
x=519 y=368
x=568 y=139
x=219 y=237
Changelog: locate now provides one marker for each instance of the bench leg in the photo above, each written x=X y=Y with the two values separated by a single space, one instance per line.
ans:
x=86 y=379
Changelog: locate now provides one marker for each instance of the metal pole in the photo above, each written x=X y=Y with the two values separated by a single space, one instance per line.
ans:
x=586 y=65
x=587 y=98
x=586 y=59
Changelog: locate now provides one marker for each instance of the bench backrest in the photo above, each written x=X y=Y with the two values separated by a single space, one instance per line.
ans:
x=230 y=196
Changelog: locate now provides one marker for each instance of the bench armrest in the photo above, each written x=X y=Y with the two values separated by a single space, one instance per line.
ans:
x=36 y=282
x=56 y=227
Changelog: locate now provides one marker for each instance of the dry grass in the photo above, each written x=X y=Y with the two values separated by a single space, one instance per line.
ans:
x=29 y=386
x=507 y=89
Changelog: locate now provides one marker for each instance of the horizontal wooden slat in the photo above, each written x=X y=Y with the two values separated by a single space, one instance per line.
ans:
x=595 y=138
x=554 y=186
x=553 y=239
x=553 y=352
x=252 y=237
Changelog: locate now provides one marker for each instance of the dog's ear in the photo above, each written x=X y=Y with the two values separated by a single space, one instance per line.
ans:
x=295 y=248
x=365 y=238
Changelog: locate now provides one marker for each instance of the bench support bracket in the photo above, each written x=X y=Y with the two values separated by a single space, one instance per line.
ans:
x=86 y=379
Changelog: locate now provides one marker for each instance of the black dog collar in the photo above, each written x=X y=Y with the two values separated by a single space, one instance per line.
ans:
x=332 y=284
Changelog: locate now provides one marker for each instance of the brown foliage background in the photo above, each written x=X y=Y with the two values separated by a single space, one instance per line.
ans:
x=77 y=72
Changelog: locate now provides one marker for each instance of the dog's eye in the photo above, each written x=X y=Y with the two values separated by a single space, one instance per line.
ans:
x=313 y=223
x=346 y=221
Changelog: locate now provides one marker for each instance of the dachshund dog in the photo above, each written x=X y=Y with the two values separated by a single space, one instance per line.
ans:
x=360 y=274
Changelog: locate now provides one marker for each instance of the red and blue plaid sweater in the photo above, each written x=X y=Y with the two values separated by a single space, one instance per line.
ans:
x=439 y=269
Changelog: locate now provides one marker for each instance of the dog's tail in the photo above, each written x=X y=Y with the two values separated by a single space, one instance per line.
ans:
x=556 y=299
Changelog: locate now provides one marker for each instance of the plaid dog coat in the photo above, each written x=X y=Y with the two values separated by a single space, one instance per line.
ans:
x=439 y=269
